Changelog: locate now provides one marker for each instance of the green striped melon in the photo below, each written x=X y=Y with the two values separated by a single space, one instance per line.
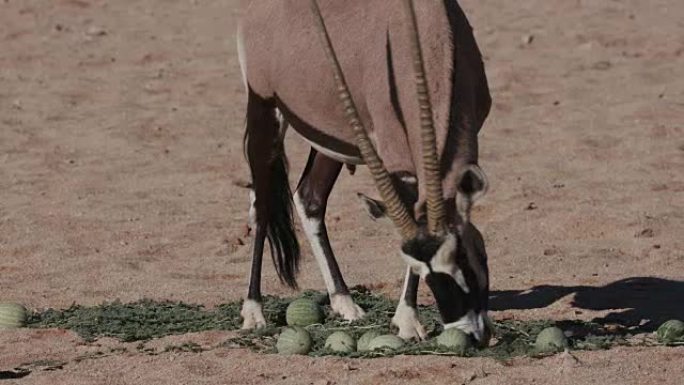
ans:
x=340 y=342
x=551 y=340
x=671 y=331
x=386 y=342
x=303 y=312
x=455 y=340
x=12 y=316
x=362 y=345
x=294 y=340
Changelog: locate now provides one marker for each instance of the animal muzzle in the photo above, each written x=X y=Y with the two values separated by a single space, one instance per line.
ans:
x=477 y=325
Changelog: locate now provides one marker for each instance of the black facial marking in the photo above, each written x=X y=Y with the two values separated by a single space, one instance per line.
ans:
x=422 y=248
x=470 y=183
x=449 y=296
x=471 y=258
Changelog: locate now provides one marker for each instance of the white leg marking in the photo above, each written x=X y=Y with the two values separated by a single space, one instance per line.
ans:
x=406 y=317
x=341 y=304
x=471 y=323
x=252 y=315
x=311 y=228
x=344 y=305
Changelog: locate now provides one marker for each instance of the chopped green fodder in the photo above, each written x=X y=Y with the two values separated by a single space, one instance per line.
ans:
x=137 y=321
x=145 y=320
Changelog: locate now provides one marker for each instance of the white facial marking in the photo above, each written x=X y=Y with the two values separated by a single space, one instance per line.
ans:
x=409 y=179
x=344 y=306
x=442 y=262
x=415 y=265
x=461 y=281
x=252 y=315
x=471 y=323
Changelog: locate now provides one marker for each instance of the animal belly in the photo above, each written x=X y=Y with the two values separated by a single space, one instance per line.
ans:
x=324 y=142
x=344 y=158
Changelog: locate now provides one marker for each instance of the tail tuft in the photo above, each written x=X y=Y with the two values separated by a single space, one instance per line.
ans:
x=273 y=199
x=280 y=232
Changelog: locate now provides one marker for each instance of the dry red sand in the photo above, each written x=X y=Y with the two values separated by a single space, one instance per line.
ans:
x=120 y=142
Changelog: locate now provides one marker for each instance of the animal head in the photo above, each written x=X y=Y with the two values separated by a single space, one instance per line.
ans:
x=445 y=249
x=453 y=264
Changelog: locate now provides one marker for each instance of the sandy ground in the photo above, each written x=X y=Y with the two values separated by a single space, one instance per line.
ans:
x=120 y=145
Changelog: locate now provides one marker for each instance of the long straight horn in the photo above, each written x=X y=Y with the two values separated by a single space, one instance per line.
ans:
x=395 y=208
x=435 y=201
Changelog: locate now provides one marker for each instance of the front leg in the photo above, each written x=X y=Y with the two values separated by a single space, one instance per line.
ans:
x=311 y=201
x=406 y=316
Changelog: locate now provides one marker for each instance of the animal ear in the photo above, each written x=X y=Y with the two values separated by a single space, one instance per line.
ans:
x=471 y=186
x=376 y=209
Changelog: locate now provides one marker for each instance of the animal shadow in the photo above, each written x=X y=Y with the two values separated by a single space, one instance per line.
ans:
x=13 y=374
x=642 y=303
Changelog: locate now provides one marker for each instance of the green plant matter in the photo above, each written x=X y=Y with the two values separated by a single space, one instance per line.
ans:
x=145 y=320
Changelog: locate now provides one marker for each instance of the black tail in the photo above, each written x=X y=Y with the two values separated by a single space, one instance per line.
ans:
x=280 y=230
x=273 y=204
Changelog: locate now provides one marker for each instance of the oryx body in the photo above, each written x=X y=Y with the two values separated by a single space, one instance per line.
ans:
x=289 y=82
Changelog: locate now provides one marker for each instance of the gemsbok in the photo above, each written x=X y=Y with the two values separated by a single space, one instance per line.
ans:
x=397 y=86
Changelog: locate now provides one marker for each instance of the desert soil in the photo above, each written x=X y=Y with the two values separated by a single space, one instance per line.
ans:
x=121 y=160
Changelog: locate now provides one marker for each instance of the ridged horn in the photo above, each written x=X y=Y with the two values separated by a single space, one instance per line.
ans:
x=433 y=182
x=395 y=208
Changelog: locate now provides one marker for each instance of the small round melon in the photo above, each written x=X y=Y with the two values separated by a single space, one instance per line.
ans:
x=551 y=340
x=12 y=316
x=455 y=340
x=303 y=312
x=671 y=331
x=386 y=342
x=294 y=340
x=362 y=345
x=340 y=342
